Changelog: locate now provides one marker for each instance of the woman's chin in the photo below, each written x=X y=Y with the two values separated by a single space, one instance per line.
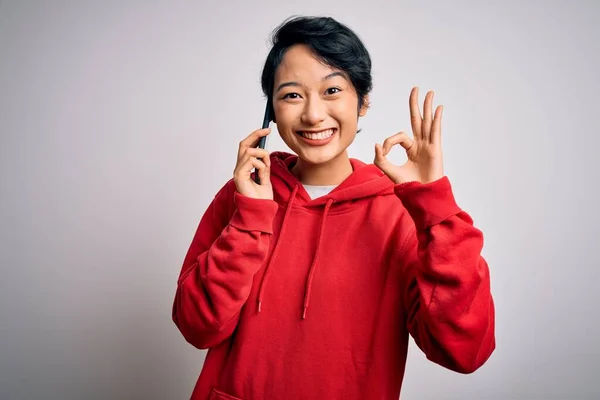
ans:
x=316 y=156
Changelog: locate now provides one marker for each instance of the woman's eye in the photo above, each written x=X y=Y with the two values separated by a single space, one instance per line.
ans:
x=333 y=90
x=291 y=96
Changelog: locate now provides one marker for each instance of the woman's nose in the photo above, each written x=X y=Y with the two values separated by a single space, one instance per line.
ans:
x=315 y=111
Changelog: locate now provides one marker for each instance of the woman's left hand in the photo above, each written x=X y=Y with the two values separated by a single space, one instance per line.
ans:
x=424 y=151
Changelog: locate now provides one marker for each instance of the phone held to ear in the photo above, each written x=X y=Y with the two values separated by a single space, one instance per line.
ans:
x=262 y=142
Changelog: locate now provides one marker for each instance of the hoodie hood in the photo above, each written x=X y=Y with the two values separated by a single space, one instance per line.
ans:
x=366 y=180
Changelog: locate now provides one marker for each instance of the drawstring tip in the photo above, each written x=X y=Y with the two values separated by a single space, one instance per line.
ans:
x=304 y=313
x=259 y=305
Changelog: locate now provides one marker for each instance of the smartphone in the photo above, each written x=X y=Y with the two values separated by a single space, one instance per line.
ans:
x=262 y=142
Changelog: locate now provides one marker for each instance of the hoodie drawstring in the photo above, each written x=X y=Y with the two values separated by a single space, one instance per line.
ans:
x=265 y=278
x=313 y=267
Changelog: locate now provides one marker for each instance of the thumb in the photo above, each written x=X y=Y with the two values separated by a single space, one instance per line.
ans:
x=379 y=156
x=381 y=160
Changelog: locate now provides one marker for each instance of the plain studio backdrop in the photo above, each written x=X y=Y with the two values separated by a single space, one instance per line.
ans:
x=119 y=121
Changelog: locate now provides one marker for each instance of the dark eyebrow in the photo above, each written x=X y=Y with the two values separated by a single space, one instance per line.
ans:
x=296 y=84
x=337 y=73
x=286 y=84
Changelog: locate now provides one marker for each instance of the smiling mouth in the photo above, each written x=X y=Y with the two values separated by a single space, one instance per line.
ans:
x=321 y=135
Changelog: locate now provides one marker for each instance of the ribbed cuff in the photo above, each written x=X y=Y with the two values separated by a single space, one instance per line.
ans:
x=253 y=214
x=428 y=204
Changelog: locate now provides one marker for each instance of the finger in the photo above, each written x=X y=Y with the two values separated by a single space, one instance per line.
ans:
x=261 y=169
x=400 y=138
x=436 y=130
x=427 y=117
x=250 y=154
x=415 y=113
x=252 y=140
x=258 y=153
x=247 y=163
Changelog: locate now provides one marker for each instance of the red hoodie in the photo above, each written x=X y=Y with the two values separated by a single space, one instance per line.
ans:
x=315 y=299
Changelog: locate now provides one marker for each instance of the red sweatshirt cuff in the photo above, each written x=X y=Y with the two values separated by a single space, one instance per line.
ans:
x=428 y=204
x=253 y=214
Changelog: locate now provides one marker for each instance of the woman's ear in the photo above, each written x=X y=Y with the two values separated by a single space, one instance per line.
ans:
x=362 y=111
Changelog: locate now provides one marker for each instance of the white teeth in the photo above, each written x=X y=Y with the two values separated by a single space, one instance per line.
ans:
x=319 y=135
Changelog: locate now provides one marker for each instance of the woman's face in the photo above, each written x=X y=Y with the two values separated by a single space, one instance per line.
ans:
x=316 y=107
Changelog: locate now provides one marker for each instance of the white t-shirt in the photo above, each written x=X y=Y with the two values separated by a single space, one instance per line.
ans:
x=318 y=191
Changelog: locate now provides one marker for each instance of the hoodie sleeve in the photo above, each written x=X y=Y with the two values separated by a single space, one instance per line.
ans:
x=229 y=246
x=448 y=301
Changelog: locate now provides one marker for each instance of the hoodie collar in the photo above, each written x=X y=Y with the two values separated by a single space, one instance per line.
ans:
x=366 y=180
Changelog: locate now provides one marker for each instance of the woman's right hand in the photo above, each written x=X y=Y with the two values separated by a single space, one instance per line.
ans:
x=248 y=158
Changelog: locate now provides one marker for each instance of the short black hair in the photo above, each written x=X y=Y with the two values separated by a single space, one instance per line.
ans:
x=332 y=42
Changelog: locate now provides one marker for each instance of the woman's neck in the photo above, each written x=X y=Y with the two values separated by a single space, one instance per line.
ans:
x=333 y=172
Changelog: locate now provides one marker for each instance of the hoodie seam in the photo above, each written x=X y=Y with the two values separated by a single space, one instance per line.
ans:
x=320 y=211
x=219 y=327
x=403 y=248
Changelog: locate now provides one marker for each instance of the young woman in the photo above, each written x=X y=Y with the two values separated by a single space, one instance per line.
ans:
x=308 y=285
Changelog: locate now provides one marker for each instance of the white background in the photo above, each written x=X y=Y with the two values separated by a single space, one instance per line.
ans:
x=120 y=120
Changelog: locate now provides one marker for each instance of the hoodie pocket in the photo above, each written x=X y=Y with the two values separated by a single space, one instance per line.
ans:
x=218 y=395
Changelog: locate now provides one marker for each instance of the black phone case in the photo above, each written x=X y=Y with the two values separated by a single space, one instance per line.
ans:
x=263 y=140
